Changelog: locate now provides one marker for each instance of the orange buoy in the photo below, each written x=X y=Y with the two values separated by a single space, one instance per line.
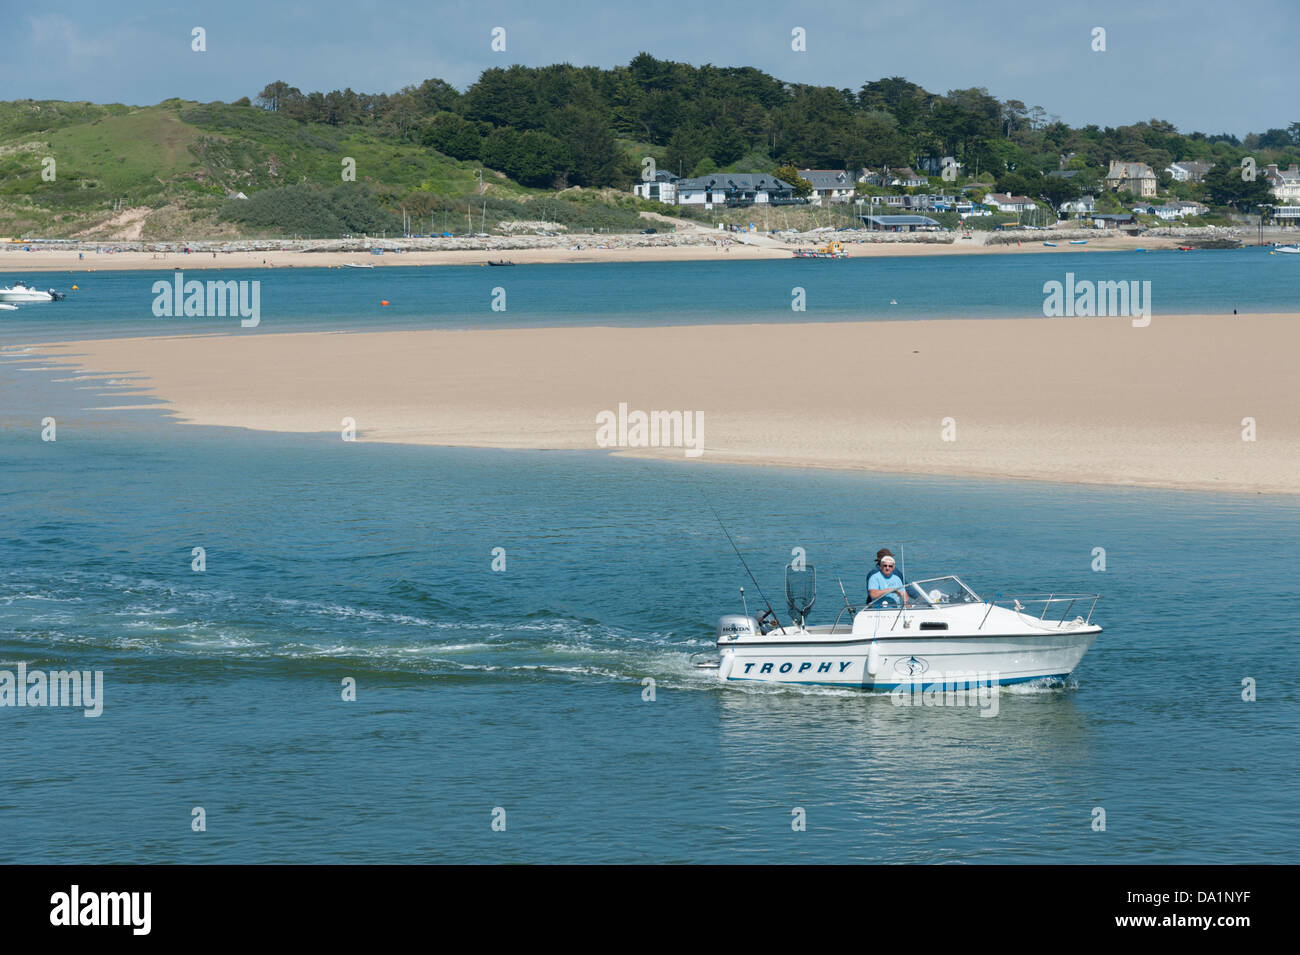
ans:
x=74 y=288
x=384 y=302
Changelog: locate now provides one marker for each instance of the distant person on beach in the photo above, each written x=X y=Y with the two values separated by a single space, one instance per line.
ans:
x=885 y=585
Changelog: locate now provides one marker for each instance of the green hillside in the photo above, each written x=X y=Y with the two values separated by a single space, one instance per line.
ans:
x=164 y=172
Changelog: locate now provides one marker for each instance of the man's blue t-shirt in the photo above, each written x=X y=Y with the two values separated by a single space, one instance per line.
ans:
x=878 y=581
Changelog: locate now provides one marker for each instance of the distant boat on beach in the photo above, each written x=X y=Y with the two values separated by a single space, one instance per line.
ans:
x=832 y=250
x=355 y=265
x=1078 y=242
x=1050 y=245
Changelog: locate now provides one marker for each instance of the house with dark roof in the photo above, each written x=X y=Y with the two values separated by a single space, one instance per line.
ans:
x=829 y=185
x=901 y=223
x=1112 y=220
x=734 y=189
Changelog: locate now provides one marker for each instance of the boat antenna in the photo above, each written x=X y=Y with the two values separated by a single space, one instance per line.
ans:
x=759 y=586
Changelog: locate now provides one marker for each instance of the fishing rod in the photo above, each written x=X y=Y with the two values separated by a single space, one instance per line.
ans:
x=766 y=602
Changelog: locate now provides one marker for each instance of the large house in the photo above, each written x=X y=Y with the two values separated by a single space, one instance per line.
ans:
x=1084 y=205
x=1283 y=183
x=733 y=189
x=1006 y=203
x=829 y=185
x=1189 y=170
x=1136 y=177
x=663 y=188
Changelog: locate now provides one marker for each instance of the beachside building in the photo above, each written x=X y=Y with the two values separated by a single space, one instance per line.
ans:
x=903 y=223
x=1178 y=209
x=733 y=189
x=1137 y=177
x=1112 y=220
x=663 y=188
x=1283 y=183
x=1005 y=203
x=1285 y=215
x=1189 y=170
x=829 y=185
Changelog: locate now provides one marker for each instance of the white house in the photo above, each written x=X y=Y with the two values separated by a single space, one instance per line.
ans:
x=905 y=177
x=1082 y=206
x=1189 y=170
x=663 y=188
x=829 y=185
x=1283 y=183
x=1177 y=209
x=1006 y=203
x=733 y=189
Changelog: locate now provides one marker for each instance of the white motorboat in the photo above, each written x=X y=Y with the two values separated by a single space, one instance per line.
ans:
x=1292 y=249
x=20 y=292
x=942 y=635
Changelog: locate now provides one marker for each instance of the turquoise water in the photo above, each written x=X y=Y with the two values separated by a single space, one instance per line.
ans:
x=974 y=286
x=523 y=688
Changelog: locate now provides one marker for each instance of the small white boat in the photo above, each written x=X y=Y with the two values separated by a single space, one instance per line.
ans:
x=358 y=265
x=20 y=292
x=1292 y=249
x=943 y=635
x=5 y=307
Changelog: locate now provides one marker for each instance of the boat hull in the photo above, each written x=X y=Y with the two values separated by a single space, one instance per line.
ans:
x=910 y=661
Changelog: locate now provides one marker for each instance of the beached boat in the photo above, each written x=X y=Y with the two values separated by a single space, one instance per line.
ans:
x=500 y=262
x=832 y=250
x=1050 y=245
x=21 y=292
x=944 y=635
x=358 y=265
x=1078 y=242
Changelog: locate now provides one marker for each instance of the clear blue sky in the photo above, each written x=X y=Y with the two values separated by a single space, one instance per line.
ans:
x=1201 y=64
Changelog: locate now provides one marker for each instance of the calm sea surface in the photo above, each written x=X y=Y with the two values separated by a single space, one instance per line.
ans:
x=522 y=688
x=670 y=293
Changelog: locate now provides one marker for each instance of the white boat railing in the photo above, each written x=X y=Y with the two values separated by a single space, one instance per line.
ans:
x=1022 y=602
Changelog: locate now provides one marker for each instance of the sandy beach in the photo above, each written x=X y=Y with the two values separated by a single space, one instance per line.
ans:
x=1077 y=400
x=702 y=244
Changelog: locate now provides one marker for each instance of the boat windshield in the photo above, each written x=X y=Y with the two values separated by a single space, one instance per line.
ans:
x=941 y=591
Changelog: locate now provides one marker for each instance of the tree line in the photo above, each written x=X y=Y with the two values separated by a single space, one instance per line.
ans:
x=561 y=125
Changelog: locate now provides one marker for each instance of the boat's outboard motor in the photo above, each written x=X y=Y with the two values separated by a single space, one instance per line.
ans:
x=733 y=626
x=57 y=296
